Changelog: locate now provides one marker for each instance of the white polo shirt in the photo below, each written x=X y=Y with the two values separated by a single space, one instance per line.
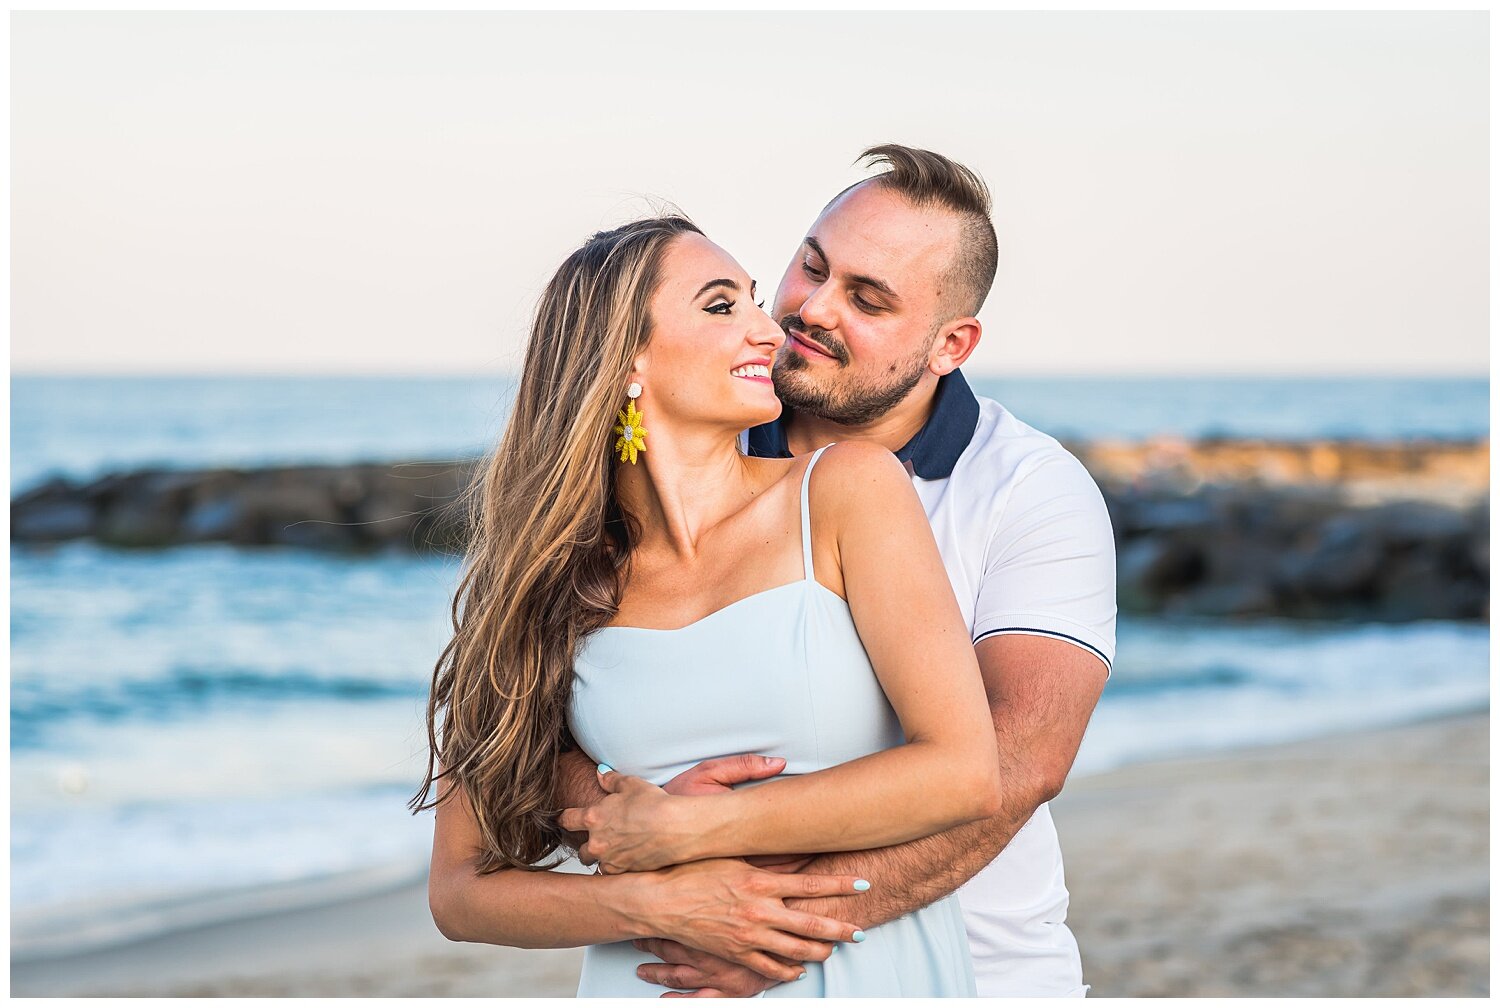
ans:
x=1028 y=546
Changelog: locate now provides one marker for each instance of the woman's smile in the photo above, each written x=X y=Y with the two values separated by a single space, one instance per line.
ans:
x=759 y=371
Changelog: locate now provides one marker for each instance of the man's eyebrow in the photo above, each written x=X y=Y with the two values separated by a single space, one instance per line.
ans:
x=716 y=283
x=854 y=278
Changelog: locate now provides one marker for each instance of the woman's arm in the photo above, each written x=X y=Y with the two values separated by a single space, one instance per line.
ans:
x=721 y=906
x=944 y=775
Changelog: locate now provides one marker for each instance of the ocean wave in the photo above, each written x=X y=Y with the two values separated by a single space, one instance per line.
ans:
x=94 y=876
x=182 y=690
x=1210 y=677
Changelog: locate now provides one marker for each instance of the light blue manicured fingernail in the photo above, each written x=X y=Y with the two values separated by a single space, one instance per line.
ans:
x=861 y=885
x=802 y=975
x=606 y=768
x=859 y=936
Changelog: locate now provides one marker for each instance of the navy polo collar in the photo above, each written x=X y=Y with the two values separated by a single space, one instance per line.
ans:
x=931 y=454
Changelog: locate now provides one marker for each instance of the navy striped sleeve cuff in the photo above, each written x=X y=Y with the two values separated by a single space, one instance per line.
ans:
x=1047 y=633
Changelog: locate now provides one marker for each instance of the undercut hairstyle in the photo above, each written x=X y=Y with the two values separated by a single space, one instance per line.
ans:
x=927 y=179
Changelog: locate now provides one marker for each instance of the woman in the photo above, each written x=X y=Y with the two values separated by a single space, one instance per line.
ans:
x=619 y=578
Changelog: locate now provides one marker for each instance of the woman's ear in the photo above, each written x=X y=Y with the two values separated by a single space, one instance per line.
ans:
x=639 y=368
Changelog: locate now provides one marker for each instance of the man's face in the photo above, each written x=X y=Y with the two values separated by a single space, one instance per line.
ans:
x=861 y=304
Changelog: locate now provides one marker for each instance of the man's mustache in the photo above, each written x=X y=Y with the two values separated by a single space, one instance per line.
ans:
x=793 y=325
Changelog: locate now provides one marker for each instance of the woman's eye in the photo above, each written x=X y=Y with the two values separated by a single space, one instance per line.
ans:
x=719 y=308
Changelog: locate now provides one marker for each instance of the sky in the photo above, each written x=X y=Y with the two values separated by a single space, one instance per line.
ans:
x=1175 y=193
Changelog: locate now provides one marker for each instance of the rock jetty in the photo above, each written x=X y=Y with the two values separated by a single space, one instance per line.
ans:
x=1328 y=530
x=408 y=505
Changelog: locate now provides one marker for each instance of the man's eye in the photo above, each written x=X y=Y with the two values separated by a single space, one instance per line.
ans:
x=811 y=270
x=719 y=308
x=864 y=305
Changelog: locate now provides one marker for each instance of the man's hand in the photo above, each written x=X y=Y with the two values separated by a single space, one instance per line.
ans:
x=733 y=911
x=716 y=776
x=688 y=969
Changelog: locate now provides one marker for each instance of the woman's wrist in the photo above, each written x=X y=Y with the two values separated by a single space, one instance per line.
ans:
x=709 y=827
x=632 y=903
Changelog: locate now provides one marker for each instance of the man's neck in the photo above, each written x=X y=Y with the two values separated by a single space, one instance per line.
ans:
x=805 y=432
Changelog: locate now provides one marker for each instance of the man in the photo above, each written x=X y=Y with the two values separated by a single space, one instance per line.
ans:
x=879 y=307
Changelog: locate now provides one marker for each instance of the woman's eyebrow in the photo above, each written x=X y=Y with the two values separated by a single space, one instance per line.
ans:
x=716 y=283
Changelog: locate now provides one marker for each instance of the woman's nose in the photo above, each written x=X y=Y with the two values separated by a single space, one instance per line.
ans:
x=767 y=333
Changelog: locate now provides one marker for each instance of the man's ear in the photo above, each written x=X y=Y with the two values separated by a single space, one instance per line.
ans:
x=955 y=341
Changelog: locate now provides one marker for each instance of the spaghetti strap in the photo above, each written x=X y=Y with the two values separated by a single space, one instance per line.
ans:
x=807 y=559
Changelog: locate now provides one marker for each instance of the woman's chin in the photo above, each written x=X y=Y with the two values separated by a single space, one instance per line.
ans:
x=737 y=413
x=752 y=406
x=768 y=412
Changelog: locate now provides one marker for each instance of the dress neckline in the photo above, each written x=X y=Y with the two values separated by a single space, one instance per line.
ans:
x=805 y=520
x=726 y=608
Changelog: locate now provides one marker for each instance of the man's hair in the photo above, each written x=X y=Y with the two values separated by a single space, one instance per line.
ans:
x=928 y=179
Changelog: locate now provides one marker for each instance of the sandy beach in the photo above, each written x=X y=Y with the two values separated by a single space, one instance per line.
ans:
x=1347 y=865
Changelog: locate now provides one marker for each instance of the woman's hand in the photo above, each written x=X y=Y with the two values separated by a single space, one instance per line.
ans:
x=637 y=826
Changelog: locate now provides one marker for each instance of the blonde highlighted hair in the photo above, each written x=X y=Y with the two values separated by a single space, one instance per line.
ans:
x=547 y=549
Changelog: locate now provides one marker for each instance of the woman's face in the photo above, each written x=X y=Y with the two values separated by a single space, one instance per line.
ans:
x=709 y=359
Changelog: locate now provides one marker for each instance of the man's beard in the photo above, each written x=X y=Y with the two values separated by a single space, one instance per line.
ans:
x=846 y=402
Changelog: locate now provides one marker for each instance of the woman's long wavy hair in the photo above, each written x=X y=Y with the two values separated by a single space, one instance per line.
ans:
x=547 y=550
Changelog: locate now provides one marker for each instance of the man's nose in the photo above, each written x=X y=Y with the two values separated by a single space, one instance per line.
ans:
x=818 y=310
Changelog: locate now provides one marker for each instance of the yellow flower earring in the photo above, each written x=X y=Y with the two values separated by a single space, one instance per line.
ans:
x=632 y=434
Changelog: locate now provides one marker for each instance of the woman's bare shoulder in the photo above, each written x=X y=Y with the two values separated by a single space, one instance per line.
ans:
x=858 y=463
x=853 y=477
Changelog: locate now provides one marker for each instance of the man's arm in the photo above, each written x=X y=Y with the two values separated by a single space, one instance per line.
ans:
x=577 y=786
x=1049 y=567
x=1042 y=692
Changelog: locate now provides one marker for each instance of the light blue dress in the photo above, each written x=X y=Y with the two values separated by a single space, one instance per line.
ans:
x=783 y=673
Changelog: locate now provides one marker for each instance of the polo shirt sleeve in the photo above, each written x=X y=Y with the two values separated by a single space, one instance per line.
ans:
x=1050 y=567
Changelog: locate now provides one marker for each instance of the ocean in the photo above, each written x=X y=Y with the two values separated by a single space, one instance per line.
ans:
x=83 y=427
x=204 y=731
